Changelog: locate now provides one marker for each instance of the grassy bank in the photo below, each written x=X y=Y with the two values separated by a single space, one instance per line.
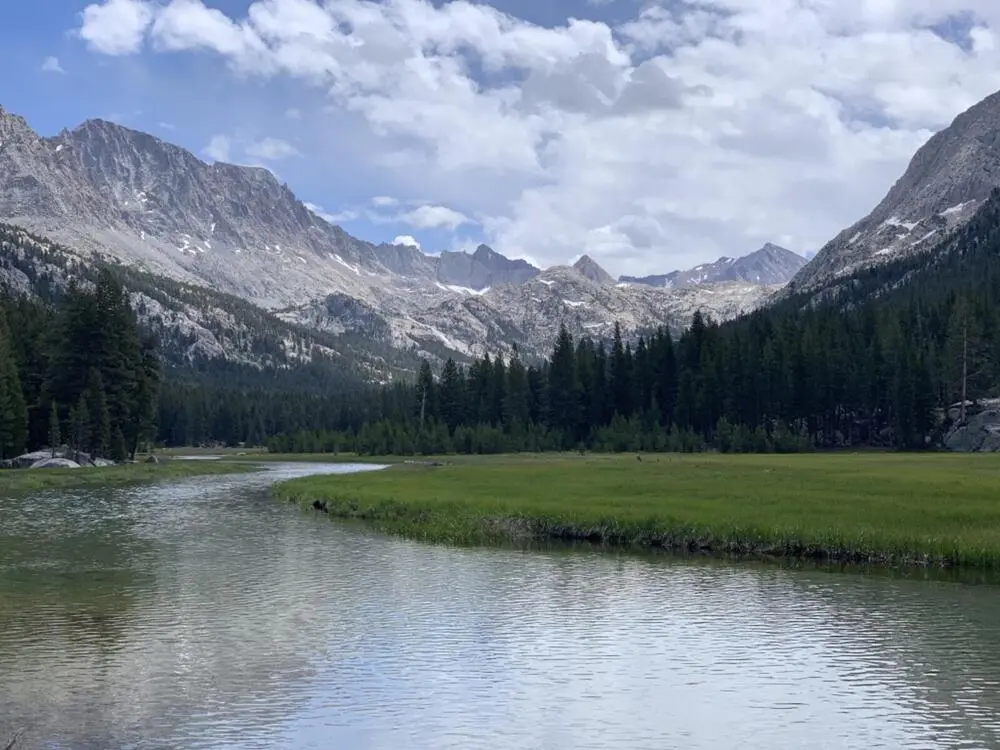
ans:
x=940 y=509
x=17 y=481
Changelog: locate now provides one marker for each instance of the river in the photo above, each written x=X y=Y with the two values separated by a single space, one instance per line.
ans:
x=204 y=614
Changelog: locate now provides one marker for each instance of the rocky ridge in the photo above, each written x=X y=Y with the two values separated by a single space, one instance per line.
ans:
x=947 y=180
x=118 y=194
x=770 y=264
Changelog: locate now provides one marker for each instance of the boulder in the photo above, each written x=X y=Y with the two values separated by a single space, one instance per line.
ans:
x=55 y=463
x=101 y=463
x=28 y=460
x=152 y=460
x=979 y=434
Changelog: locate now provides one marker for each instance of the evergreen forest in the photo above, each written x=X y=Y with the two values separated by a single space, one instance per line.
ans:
x=80 y=373
x=885 y=358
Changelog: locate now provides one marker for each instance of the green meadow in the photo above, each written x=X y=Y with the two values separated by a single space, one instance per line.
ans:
x=888 y=508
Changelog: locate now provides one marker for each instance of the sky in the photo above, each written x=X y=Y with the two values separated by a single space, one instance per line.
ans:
x=649 y=134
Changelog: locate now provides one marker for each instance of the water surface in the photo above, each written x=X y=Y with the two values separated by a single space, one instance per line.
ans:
x=204 y=614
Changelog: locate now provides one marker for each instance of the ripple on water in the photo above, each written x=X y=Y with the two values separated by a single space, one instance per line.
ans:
x=203 y=614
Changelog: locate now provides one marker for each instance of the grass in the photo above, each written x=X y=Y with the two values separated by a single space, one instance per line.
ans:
x=899 y=509
x=18 y=481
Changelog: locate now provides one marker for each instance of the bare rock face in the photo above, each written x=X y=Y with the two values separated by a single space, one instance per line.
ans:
x=589 y=268
x=770 y=264
x=483 y=269
x=946 y=181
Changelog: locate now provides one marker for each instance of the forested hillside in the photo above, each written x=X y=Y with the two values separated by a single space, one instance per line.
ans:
x=876 y=362
x=80 y=373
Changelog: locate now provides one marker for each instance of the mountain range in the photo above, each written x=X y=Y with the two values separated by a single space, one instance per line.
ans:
x=108 y=194
x=769 y=265
x=105 y=191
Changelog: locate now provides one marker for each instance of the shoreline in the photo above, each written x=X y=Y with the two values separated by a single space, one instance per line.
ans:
x=21 y=481
x=778 y=508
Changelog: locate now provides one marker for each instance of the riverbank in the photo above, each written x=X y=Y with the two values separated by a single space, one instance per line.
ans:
x=897 y=509
x=17 y=481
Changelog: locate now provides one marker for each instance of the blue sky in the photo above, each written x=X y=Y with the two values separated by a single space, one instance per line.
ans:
x=650 y=135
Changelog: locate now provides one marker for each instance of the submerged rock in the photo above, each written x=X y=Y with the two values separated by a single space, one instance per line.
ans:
x=55 y=463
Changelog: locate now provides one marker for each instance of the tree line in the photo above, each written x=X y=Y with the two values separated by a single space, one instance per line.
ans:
x=79 y=373
x=878 y=360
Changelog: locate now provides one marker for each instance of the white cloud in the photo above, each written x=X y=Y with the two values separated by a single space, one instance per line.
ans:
x=433 y=217
x=116 y=27
x=333 y=218
x=384 y=200
x=218 y=148
x=405 y=239
x=271 y=149
x=52 y=65
x=293 y=113
x=694 y=129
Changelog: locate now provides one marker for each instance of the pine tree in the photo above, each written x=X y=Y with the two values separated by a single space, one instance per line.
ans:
x=13 y=410
x=119 y=452
x=98 y=415
x=55 y=437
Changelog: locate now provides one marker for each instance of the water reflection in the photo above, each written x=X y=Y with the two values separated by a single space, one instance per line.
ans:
x=204 y=614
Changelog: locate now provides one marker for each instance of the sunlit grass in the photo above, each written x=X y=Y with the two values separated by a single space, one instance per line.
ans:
x=893 y=508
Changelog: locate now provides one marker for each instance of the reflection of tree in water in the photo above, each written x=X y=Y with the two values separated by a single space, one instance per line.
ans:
x=69 y=576
x=133 y=617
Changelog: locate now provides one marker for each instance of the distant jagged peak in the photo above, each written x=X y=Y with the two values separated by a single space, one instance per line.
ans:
x=591 y=269
x=770 y=264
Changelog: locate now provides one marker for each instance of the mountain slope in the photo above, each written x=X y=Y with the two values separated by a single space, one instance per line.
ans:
x=770 y=264
x=944 y=184
x=155 y=207
x=199 y=328
x=589 y=268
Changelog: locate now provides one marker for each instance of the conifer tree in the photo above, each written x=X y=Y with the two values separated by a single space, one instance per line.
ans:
x=55 y=436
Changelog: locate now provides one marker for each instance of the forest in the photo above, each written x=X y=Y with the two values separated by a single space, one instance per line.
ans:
x=80 y=373
x=877 y=360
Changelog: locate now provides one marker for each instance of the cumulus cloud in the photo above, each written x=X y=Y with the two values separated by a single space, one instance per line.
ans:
x=693 y=129
x=52 y=65
x=116 y=27
x=333 y=218
x=219 y=148
x=405 y=239
x=271 y=149
x=433 y=217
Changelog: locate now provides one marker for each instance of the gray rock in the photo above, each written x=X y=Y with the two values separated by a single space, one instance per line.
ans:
x=483 y=269
x=151 y=459
x=589 y=268
x=55 y=463
x=102 y=463
x=768 y=265
x=28 y=460
x=980 y=434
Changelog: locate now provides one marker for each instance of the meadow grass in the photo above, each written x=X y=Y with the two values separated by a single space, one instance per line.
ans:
x=939 y=509
x=20 y=481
